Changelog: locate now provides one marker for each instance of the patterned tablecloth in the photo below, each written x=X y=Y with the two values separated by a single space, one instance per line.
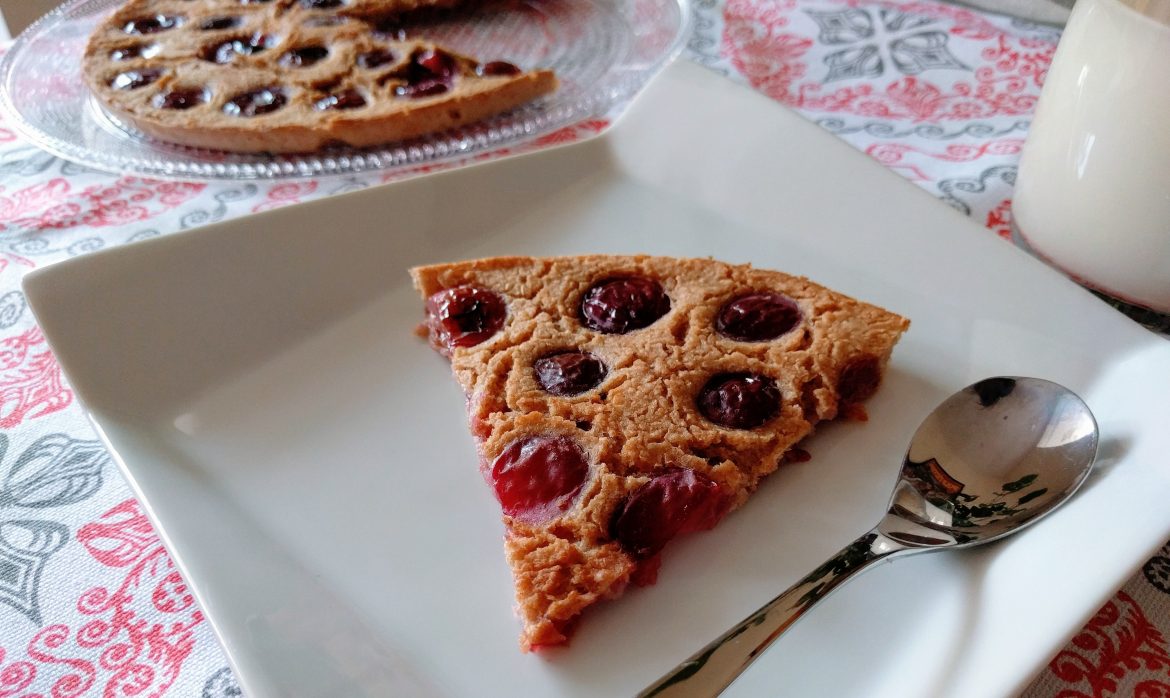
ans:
x=90 y=604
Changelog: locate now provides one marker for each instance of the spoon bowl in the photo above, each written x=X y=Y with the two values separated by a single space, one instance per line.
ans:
x=988 y=461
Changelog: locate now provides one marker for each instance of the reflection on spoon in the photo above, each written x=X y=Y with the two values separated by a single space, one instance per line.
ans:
x=989 y=460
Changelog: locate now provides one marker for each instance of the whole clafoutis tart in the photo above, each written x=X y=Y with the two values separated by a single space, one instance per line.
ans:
x=618 y=402
x=291 y=75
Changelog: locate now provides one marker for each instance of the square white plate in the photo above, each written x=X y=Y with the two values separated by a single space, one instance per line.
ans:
x=306 y=457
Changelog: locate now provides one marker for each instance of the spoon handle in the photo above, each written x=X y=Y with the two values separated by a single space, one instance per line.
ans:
x=712 y=669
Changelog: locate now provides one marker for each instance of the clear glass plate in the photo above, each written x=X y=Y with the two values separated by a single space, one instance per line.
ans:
x=603 y=51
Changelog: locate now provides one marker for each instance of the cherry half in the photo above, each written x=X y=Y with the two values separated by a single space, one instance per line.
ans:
x=464 y=316
x=859 y=379
x=569 y=372
x=537 y=478
x=256 y=102
x=349 y=99
x=217 y=23
x=133 y=79
x=429 y=72
x=181 y=99
x=678 y=501
x=496 y=68
x=304 y=56
x=757 y=317
x=226 y=51
x=138 y=50
x=618 y=306
x=375 y=58
x=152 y=25
x=739 y=400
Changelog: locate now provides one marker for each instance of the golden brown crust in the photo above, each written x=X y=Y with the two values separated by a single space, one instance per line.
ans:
x=642 y=418
x=183 y=56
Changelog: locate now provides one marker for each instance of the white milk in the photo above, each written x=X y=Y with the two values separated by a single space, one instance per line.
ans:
x=1093 y=191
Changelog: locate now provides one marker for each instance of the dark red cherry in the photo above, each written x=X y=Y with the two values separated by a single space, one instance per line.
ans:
x=464 y=316
x=427 y=88
x=375 y=59
x=135 y=51
x=859 y=379
x=569 y=373
x=428 y=73
x=676 y=502
x=304 y=56
x=434 y=64
x=216 y=23
x=152 y=25
x=739 y=400
x=349 y=99
x=757 y=317
x=183 y=98
x=622 y=305
x=133 y=79
x=226 y=51
x=321 y=4
x=537 y=478
x=496 y=68
x=256 y=102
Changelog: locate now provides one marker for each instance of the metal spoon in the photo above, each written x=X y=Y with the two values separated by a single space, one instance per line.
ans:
x=991 y=459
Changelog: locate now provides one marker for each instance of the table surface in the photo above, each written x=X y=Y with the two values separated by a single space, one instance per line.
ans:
x=90 y=603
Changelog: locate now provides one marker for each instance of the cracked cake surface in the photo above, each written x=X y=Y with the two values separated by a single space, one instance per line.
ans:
x=291 y=75
x=619 y=401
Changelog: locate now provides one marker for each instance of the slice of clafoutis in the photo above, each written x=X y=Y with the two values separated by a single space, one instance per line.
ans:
x=618 y=402
x=290 y=76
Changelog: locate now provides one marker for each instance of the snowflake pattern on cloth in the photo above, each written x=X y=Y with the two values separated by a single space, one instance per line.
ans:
x=90 y=603
x=937 y=93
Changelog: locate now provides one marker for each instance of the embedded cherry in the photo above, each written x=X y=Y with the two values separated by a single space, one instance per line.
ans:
x=256 y=102
x=226 y=51
x=675 y=502
x=133 y=79
x=618 y=306
x=464 y=316
x=427 y=88
x=569 y=372
x=436 y=64
x=430 y=72
x=495 y=68
x=757 y=317
x=375 y=59
x=152 y=25
x=216 y=23
x=181 y=99
x=536 y=478
x=135 y=51
x=304 y=56
x=739 y=400
x=349 y=99
x=859 y=379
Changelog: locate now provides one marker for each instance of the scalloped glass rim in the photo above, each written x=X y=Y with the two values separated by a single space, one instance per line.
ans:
x=603 y=87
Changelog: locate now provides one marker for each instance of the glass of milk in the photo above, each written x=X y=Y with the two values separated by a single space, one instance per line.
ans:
x=1093 y=191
